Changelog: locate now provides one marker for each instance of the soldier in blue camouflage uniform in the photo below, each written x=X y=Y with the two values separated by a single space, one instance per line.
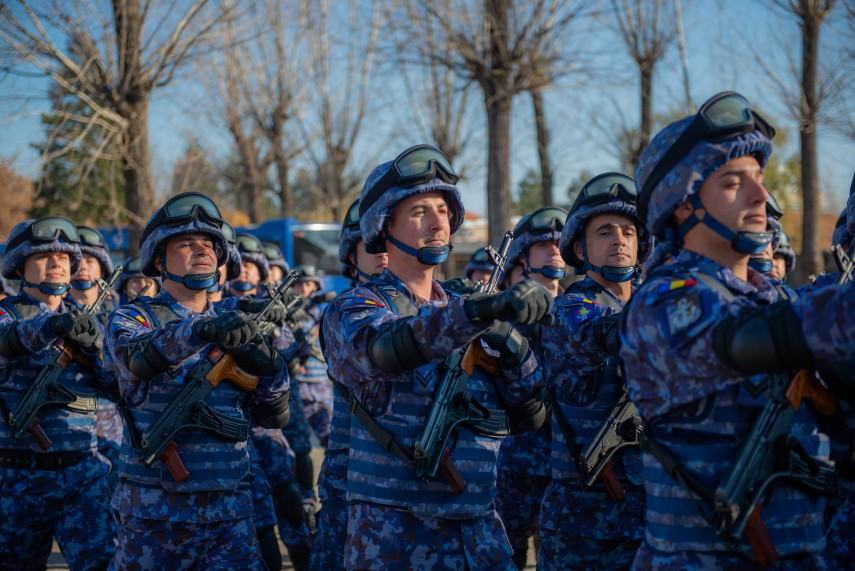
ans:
x=328 y=548
x=276 y=260
x=524 y=458
x=60 y=492
x=84 y=290
x=315 y=387
x=703 y=332
x=385 y=341
x=592 y=527
x=203 y=520
x=478 y=267
x=254 y=267
x=132 y=283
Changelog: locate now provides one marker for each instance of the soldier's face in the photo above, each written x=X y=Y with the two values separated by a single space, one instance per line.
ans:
x=480 y=276
x=190 y=254
x=545 y=254
x=90 y=269
x=51 y=267
x=735 y=195
x=370 y=263
x=779 y=267
x=305 y=288
x=276 y=274
x=611 y=240
x=140 y=286
x=421 y=220
x=249 y=273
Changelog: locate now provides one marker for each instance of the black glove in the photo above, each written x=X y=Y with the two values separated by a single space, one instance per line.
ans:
x=460 y=286
x=607 y=334
x=510 y=343
x=275 y=314
x=258 y=358
x=229 y=330
x=81 y=328
x=525 y=302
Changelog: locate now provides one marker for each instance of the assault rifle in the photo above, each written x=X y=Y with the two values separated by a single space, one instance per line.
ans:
x=844 y=262
x=452 y=405
x=46 y=389
x=620 y=429
x=188 y=410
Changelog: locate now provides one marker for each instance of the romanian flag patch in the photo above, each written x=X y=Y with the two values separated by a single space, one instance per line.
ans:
x=139 y=317
x=675 y=285
x=367 y=301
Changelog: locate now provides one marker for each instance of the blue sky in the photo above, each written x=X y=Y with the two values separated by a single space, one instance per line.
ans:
x=724 y=38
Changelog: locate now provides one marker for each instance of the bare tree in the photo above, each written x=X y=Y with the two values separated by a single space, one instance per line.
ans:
x=136 y=47
x=336 y=114
x=647 y=29
x=816 y=87
x=504 y=46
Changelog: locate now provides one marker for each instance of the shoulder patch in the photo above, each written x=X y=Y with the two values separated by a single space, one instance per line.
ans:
x=682 y=313
x=366 y=301
x=138 y=315
x=584 y=312
x=675 y=285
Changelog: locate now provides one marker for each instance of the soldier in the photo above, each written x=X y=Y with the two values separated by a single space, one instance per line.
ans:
x=328 y=548
x=202 y=519
x=133 y=283
x=315 y=387
x=385 y=341
x=597 y=526
x=699 y=338
x=231 y=270
x=254 y=268
x=478 y=267
x=84 y=290
x=56 y=489
x=524 y=458
x=276 y=261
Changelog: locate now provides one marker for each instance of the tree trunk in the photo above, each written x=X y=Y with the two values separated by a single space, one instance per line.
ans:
x=542 y=147
x=811 y=249
x=286 y=192
x=498 y=167
x=646 y=70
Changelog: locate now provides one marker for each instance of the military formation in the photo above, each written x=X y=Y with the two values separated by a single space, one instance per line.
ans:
x=676 y=406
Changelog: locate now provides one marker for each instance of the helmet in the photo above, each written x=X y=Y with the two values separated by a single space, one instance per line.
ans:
x=311 y=274
x=785 y=248
x=48 y=234
x=376 y=209
x=153 y=246
x=252 y=250
x=480 y=260
x=132 y=268
x=275 y=257
x=607 y=193
x=683 y=181
x=92 y=244
x=543 y=225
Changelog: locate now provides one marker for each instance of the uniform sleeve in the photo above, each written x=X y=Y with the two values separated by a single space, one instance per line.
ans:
x=827 y=316
x=667 y=345
x=35 y=334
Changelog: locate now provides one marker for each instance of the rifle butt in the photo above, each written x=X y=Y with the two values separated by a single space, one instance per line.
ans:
x=39 y=435
x=759 y=538
x=227 y=368
x=173 y=462
x=805 y=386
x=613 y=486
x=450 y=473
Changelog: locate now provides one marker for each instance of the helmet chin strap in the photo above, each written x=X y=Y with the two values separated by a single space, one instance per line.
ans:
x=742 y=242
x=82 y=284
x=191 y=281
x=242 y=286
x=427 y=255
x=47 y=288
x=761 y=264
x=618 y=274
x=551 y=272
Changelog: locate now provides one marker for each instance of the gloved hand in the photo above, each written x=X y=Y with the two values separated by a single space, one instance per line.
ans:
x=229 y=330
x=275 y=314
x=258 y=358
x=510 y=343
x=80 y=328
x=310 y=507
x=460 y=286
x=525 y=302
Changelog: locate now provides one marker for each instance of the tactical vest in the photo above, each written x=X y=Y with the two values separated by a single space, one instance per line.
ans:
x=213 y=464
x=585 y=414
x=705 y=436
x=379 y=476
x=69 y=431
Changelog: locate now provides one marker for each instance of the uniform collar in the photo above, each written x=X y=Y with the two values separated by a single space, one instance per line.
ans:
x=388 y=277
x=756 y=288
x=180 y=309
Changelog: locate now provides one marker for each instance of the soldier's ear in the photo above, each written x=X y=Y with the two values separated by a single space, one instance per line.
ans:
x=682 y=212
x=577 y=249
x=157 y=265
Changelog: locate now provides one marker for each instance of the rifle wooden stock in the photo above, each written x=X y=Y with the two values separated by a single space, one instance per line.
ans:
x=173 y=462
x=610 y=479
x=450 y=473
x=804 y=386
x=759 y=538
x=226 y=368
x=35 y=430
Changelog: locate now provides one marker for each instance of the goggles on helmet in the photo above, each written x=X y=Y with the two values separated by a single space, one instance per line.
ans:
x=725 y=116
x=46 y=229
x=351 y=219
x=416 y=165
x=91 y=237
x=773 y=209
x=182 y=209
x=272 y=251
x=132 y=266
x=784 y=241
x=229 y=232
x=542 y=221
x=606 y=188
x=250 y=244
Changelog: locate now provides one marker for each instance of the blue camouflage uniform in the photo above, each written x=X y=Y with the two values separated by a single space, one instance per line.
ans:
x=315 y=386
x=583 y=528
x=205 y=520
x=395 y=519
